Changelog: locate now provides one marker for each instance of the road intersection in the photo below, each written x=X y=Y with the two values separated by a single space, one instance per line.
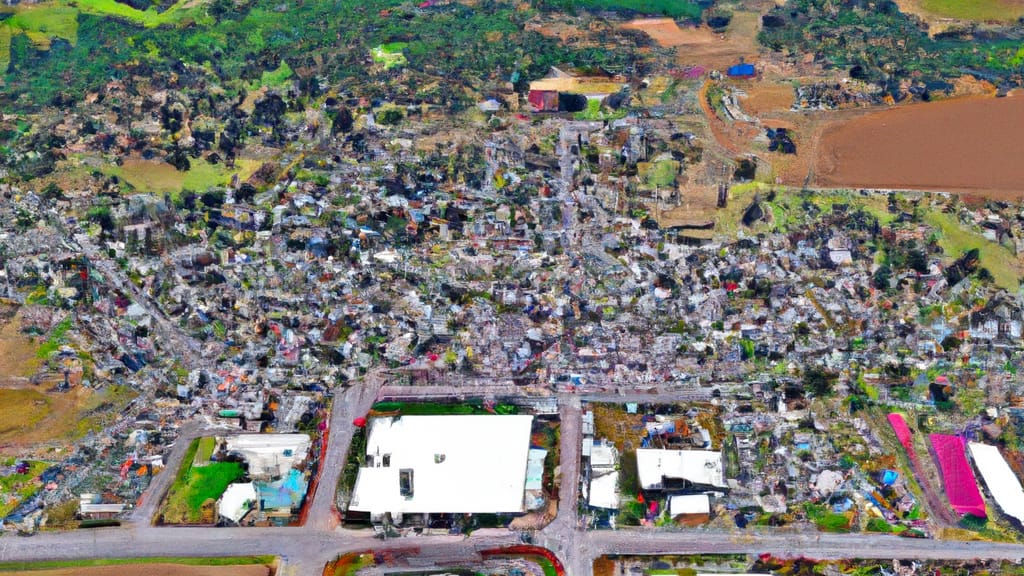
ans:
x=305 y=549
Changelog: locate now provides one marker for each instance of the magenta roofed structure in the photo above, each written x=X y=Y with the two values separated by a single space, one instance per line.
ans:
x=957 y=475
x=899 y=426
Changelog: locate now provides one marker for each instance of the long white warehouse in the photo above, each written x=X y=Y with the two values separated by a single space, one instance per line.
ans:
x=444 y=464
x=999 y=478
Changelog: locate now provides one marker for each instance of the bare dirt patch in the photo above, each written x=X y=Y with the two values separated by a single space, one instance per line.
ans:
x=667 y=33
x=17 y=351
x=767 y=97
x=701 y=46
x=147 y=569
x=968 y=145
x=33 y=414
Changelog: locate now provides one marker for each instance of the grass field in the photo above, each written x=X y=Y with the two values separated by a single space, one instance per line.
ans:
x=955 y=240
x=55 y=340
x=59 y=19
x=194 y=486
x=390 y=55
x=32 y=416
x=158 y=177
x=982 y=10
x=101 y=408
x=23 y=409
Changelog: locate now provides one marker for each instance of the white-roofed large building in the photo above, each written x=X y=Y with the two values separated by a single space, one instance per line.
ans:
x=444 y=464
x=999 y=478
x=659 y=469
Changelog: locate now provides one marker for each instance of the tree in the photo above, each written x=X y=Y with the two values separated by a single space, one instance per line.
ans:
x=52 y=192
x=102 y=216
x=819 y=381
x=917 y=261
x=882 y=277
x=390 y=116
x=213 y=198
x=342 y=123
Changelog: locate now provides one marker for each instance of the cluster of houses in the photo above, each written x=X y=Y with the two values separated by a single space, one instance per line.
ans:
x=528 y=262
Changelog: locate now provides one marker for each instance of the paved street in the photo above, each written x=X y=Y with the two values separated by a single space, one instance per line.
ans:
x=306 y=549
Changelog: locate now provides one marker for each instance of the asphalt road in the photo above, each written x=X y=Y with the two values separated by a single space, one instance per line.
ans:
x=304 y=550
x=307 y=549
x=348 y=405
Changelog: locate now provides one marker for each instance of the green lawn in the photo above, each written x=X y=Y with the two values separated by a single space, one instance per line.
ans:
x=194 y=486
x=390 y=55
x=55 y=341
x=276 y=78
x=154 y=176
x=206 y=446
x=191 y=561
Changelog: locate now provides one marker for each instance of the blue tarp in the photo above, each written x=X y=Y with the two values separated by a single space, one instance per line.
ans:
x=741 y=70
x=287 y=492
x=889 y=477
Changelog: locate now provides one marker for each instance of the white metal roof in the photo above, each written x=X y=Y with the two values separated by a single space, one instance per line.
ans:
x=689 y=504
x=535 y=469
x=604 y=491
x=702 y=467
x=234 y=503
x=999 y=478
x=459 y=464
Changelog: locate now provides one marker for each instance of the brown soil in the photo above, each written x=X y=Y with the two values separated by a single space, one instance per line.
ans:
x=701 y=46
x=767 y=97
x=967 y=145
x=17 y=351
x=666 y=32
x=147 y=569
x=33 y=414
x=61 y=413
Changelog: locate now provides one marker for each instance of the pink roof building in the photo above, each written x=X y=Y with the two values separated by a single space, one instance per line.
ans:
x=957 y=475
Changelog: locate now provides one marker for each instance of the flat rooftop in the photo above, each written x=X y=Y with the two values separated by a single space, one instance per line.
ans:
x=444 y=464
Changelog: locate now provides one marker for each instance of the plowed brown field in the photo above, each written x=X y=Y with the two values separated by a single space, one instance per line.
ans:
x=148 y=569
x=971 y=146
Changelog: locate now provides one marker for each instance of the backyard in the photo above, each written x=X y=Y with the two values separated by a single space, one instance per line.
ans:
x=15 y=487
x=196 y=487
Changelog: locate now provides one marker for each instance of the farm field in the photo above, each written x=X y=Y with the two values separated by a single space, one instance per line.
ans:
x=161 y=177
x=233 y=566
x=701 y=46
x=976 y=10
x=146 y=569
x=968 y=146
